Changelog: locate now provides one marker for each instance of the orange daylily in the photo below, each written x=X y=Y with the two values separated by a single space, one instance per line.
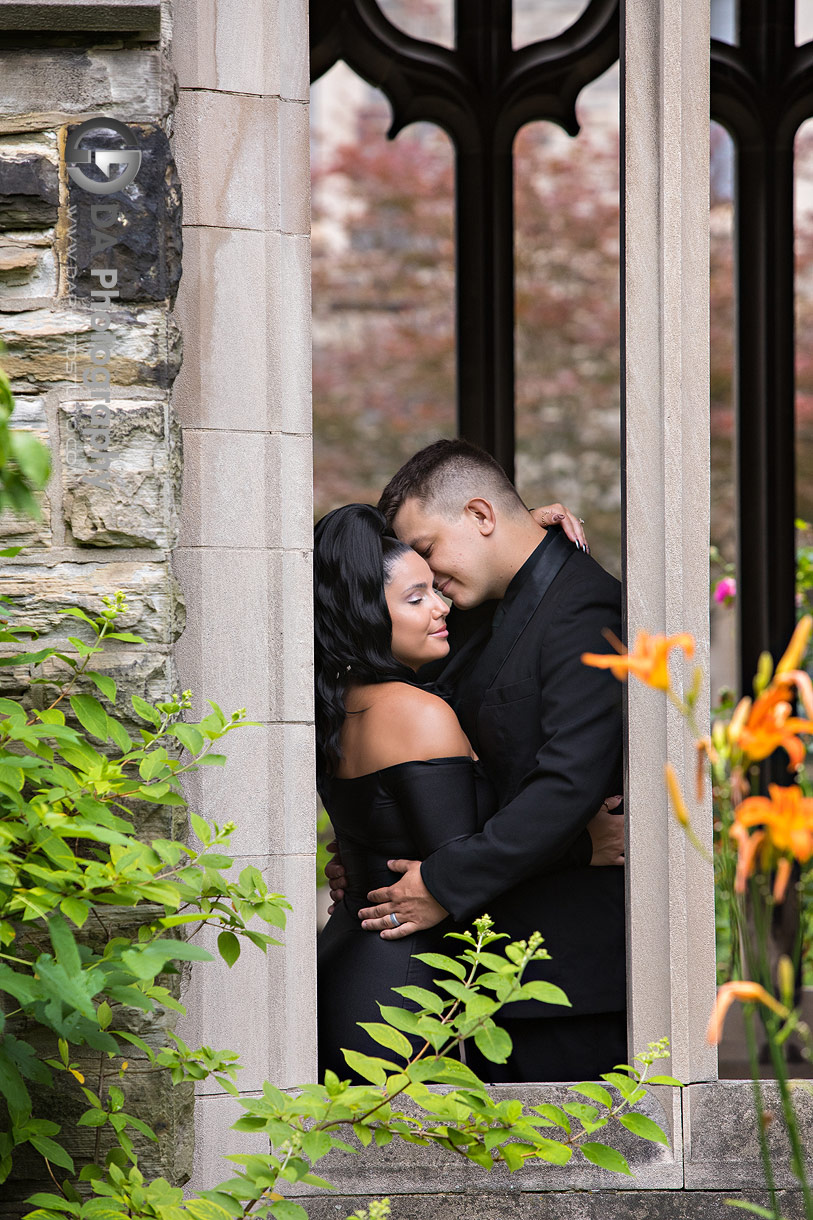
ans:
x=760 y=726
x=787 y=817
x=647 y=661
x=786 y=833
x=745 y=991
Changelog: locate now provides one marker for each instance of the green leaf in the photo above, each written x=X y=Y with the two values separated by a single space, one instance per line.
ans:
x=644 y=1127
x=226 y=1201
x=421 y=996
x=91 y=715
x=228 y=946
x=144 y=709
x=386 y=1036
x=548 y=993
x=671 y=1080
x=439 y=961
x=201 y=828
x=52 y=1151
x=104 y=1014
x=12 y=1086
x=188 y=736
x=553 y=1151
x=65 y=949
x=585 y=1114
x=75 y=612
x=594 y=1091
x=555 y=1115
x=316 y=1144
x=606 y=1157
x=145 y=963
x=362 y=1133
x=286 y=1210
x=74 y=990
x=119 y=734
x=625 y=1085
x=76 y=909
x=31 y=455
x=101 y=1209
x=514 y=1154
x=402 y=1018
x=371 y=1068
x=480 y=1005
x=492 y=1042
x=152 y=763
x=53 y=1201
x=205 y=1209
x=104 y=682
x=748 y=1206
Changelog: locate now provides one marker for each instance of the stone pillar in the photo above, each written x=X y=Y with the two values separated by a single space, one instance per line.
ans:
x=243 y=399
x=665 y=61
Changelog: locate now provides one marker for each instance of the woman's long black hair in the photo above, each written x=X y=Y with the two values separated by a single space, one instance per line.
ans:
x=353 y=560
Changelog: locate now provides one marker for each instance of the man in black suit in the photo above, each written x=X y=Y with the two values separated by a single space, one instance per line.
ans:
x=528 y=602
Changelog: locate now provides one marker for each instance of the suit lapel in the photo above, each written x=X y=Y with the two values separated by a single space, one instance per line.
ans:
x=495 y=653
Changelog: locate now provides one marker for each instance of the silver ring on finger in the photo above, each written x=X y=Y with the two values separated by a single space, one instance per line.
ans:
x=394 y=920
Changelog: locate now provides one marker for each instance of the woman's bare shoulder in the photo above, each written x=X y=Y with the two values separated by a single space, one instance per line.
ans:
x=403 y=722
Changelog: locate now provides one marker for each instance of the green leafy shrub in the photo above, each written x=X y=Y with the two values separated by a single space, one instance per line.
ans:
x=25 y=462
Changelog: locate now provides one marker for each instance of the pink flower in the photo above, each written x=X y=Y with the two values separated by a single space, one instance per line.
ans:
x=725 y=591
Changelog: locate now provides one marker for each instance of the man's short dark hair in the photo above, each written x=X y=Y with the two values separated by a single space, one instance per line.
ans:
x=445 y=475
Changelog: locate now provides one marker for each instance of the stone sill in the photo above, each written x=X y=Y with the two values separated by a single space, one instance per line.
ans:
x=125 y=16
x=713 y=1138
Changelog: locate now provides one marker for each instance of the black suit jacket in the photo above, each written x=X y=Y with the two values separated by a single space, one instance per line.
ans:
x=548 y=730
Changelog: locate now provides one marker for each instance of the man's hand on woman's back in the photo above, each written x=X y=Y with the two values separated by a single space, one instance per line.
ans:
x=607 y=834
x=337 y=877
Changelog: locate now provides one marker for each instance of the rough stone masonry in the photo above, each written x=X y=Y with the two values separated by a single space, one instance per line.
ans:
x=108 y=524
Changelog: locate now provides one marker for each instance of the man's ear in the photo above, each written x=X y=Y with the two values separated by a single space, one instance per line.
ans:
x=483 y=513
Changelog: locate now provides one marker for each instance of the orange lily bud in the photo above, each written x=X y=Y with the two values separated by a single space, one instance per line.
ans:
x=747 y=846
x=786 y=977
x=678 y=803
x=746 y=992
x=739 y=718
x=782 y=878
x=795 y=651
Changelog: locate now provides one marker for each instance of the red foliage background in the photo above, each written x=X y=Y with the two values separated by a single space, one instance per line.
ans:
x=383 y=285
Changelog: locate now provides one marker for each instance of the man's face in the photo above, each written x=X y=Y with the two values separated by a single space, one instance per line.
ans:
x=456 y=550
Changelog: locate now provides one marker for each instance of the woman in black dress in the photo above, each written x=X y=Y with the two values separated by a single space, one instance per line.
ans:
x=395 y=771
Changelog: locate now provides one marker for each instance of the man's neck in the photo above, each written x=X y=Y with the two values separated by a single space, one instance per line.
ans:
x=518 y=544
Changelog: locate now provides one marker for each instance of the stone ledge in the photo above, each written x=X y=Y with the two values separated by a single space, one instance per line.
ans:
x=70 y=15
x=407 y=1169
x=722 y=1147
x=558 y=1205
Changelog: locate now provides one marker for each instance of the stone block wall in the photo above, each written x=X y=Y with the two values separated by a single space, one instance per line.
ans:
x=111 y=512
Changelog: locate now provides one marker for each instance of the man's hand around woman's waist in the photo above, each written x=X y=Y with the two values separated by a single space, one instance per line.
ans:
x=606 y=834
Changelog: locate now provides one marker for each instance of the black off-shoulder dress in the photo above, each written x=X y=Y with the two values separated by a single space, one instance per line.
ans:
x=405 y=811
